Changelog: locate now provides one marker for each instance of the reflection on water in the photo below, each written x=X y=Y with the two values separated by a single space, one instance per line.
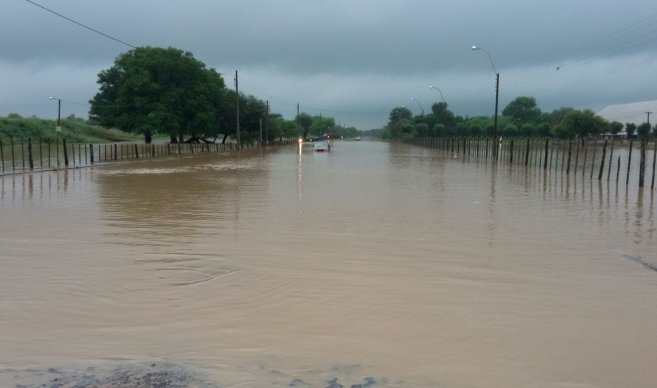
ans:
x=404 y=265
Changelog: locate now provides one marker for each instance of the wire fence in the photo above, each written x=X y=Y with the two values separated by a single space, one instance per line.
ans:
x=25 y=155
x=614 y=160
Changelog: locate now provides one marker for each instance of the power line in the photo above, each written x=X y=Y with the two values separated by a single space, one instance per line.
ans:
x=308 y=108
x=80 y=24
x=605 y=46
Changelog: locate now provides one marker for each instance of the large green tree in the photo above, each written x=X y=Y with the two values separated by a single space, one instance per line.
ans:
x=156 y=90
x=581 y=124
x=523 y=110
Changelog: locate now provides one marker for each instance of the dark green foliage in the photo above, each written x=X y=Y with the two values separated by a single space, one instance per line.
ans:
x=74 y=130
x=520 y=118
x=643 y=130
x=156 y=90
x=615 y=127
x=630 y=129
x=523 y=111
x=304 y=120
x=580 y=124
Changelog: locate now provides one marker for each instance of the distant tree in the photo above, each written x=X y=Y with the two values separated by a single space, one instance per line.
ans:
x=399 y=120
x=304 y=120
x=511 y=130
x=422 y=130
x=630 y=129
x=615 y=127
x=407 y=129
x=323 y=125
x=581 y=124
x=643 y=130
x=543 y=129
x=150 y=89
x=400 y=113
x=252 y=111
x=439 y=130
x=522 y=110
x=443 y=115
x=528 y=129
x=556 y=116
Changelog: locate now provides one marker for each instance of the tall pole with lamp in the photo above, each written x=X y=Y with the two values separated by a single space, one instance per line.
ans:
x=58 y=127
x=419 y=103
x=497 y=95
x=439 y=91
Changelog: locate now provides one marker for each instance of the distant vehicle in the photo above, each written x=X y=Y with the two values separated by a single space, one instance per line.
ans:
x=357 y=138
x=321 y=146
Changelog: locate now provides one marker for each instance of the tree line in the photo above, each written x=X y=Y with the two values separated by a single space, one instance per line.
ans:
x=521 y=117
x=166 y=91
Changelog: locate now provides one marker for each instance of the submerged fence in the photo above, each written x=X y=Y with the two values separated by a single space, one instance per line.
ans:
x=613 y=160
x=24 y=155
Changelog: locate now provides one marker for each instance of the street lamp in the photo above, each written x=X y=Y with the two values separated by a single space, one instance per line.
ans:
x=497 y=95
x=439 y=91
x=59 y=112
x=419 y=103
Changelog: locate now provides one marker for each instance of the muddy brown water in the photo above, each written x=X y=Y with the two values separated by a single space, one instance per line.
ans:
x=374 y=264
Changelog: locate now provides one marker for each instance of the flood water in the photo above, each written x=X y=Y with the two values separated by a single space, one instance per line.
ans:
x=377 y=264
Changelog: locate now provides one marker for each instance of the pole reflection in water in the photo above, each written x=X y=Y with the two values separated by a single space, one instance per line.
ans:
x=375 y=261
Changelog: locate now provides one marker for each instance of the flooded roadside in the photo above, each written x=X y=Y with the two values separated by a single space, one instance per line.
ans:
x=374 y=264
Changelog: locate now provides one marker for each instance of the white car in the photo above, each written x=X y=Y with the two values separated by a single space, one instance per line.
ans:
x=321 y=146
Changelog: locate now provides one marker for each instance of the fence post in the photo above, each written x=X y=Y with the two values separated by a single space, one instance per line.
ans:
x=595 y=149
x=642 y=163
x=65 y=152
x=2 y=156
x=13 y=159
x=585 y=155
x=29 y=153
x=629 y=163
x=527 y=154
x=570 y=155
x=91 y=153
x=654 y=159
x=602 y=163
x=22 y=154
x=611 y=156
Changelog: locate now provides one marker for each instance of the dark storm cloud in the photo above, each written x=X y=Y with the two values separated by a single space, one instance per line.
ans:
x=357 y=59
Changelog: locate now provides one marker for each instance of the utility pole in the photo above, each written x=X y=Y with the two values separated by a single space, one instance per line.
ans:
x=497 y=99
x=267 y=125
x=237 y=104
x=298 y=134
x=648 y=113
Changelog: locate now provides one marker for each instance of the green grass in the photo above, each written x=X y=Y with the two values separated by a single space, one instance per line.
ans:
x=74 y=130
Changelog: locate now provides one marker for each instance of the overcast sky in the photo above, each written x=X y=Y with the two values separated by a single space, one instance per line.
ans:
x=354 y=60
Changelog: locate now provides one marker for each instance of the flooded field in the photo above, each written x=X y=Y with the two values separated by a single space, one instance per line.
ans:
x=373 y=265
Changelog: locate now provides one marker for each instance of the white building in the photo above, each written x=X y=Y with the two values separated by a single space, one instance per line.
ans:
x=633 y=112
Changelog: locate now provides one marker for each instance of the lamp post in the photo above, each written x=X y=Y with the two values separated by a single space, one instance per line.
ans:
x=439 y=91
x=497 y=95
x=419 y=103
x=58 y=128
